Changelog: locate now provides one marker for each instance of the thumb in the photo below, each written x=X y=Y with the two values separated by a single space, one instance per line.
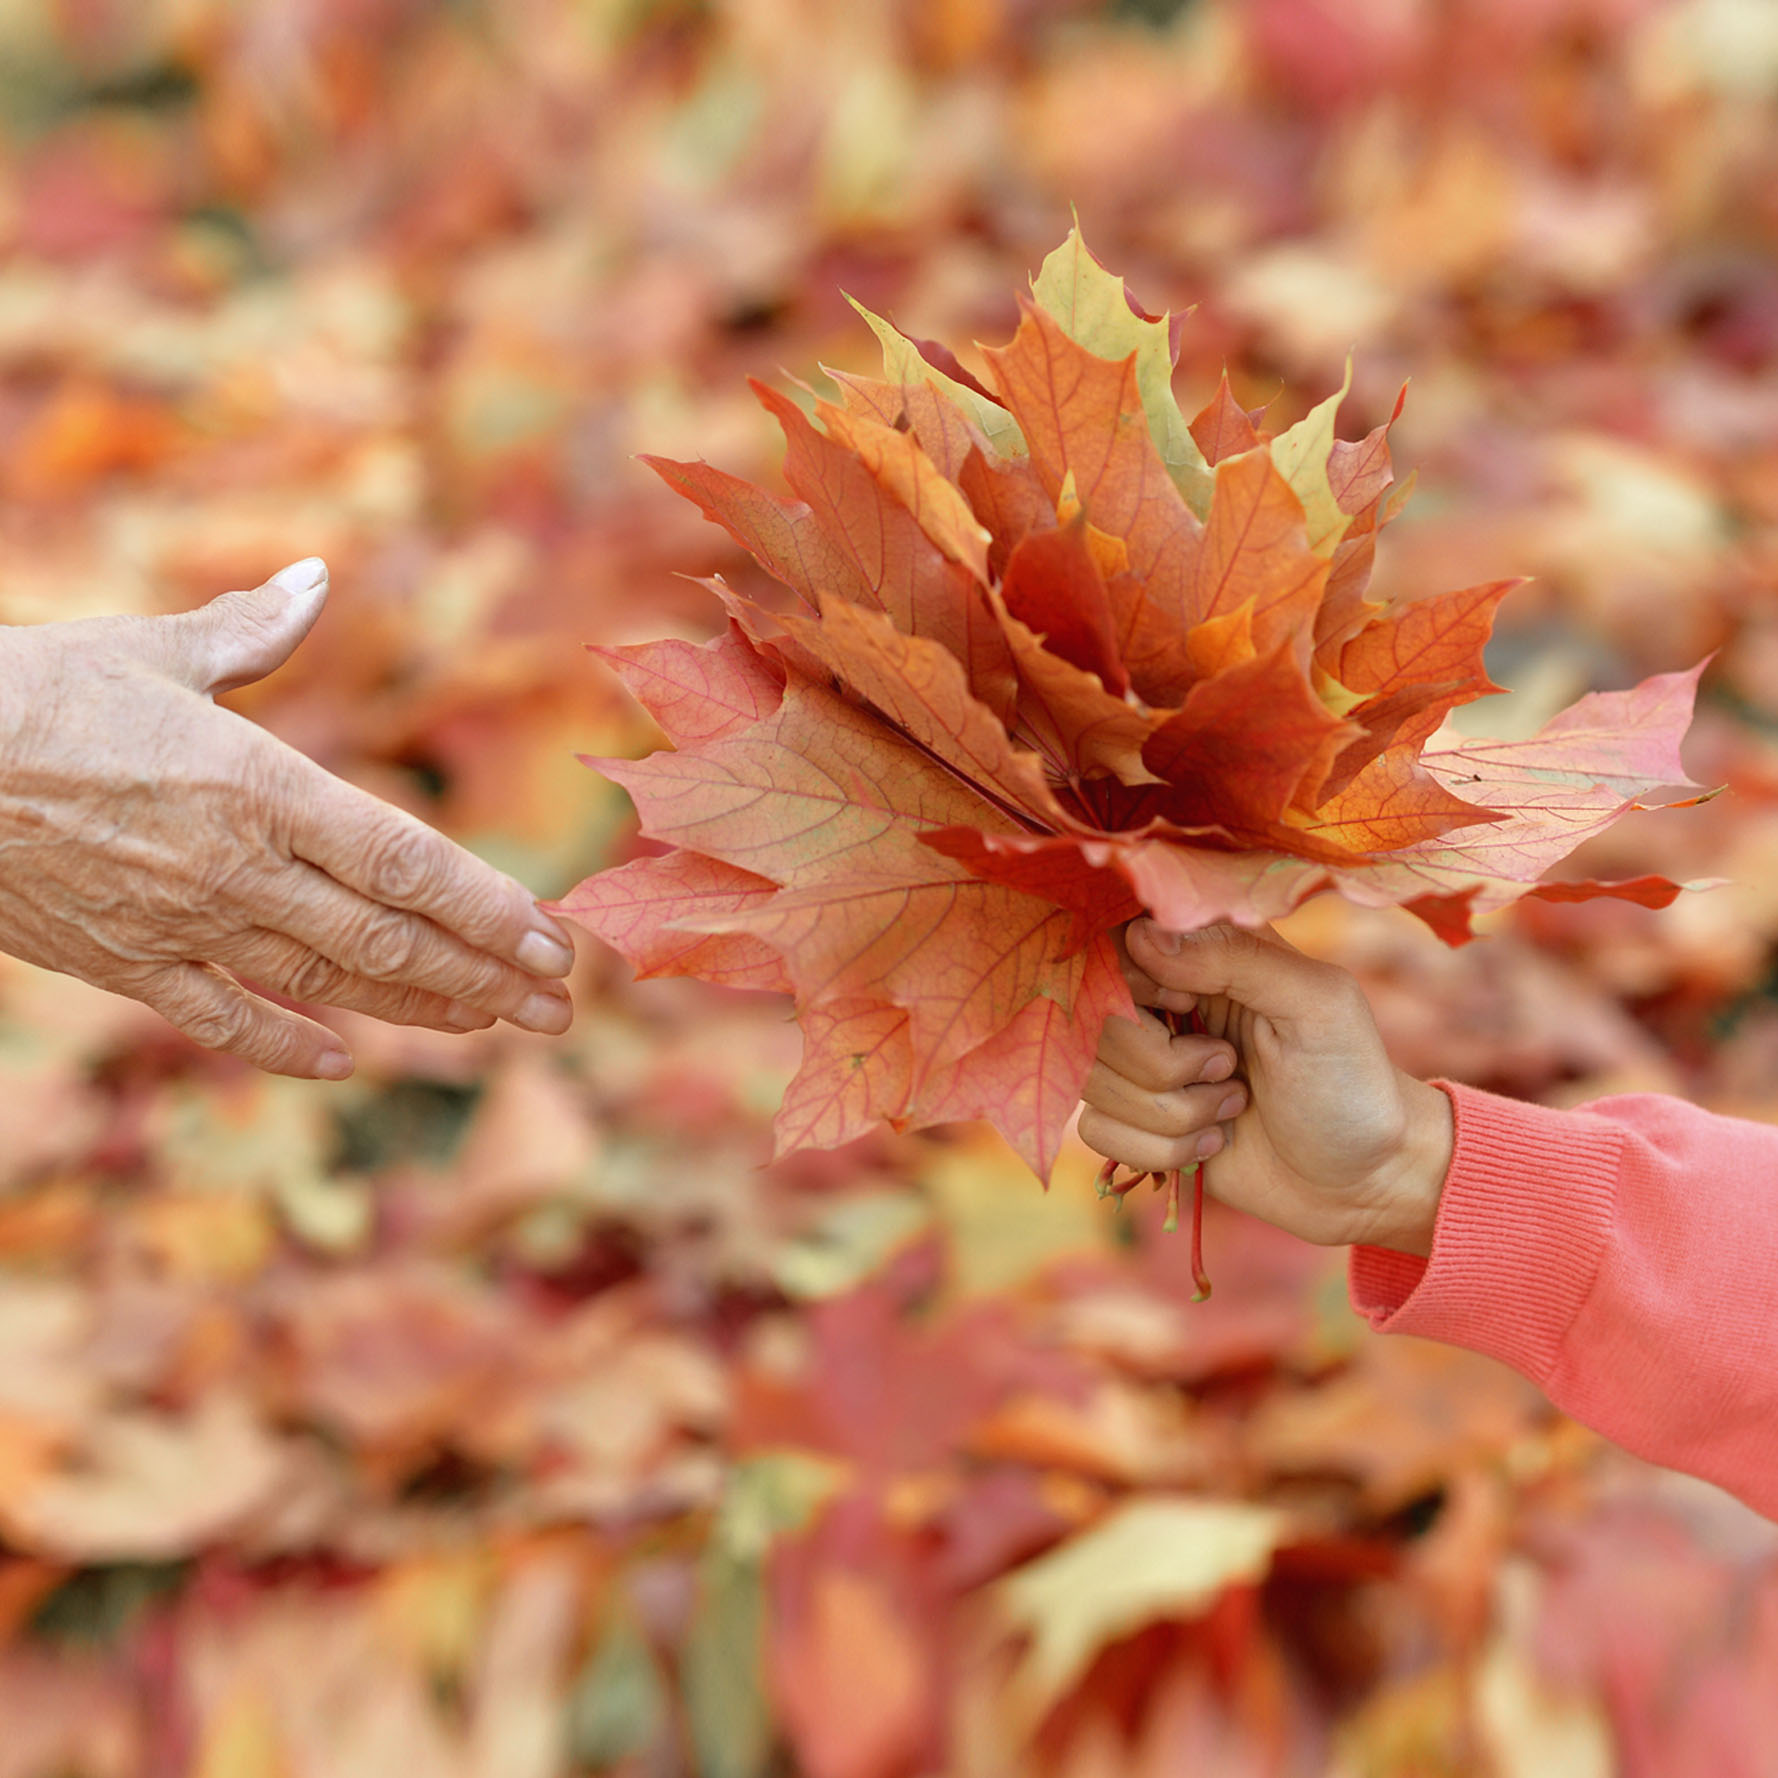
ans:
x=240 y=637
x=1256 y=970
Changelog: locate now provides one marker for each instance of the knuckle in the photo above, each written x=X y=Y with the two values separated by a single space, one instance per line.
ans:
x=1094 y=1128
x=1117 y=1037
x=387 y=949
x=1100 y=1084
x=314 y=978
x=1159 y=1067
x=236 y=879
x=414 y=1006
x=225 y=1025
x=247 y=616
x=404 y=867
x=1236 y=943
x=1180 y=1114
x=283 y=1048
x=1153 y=1074
x=488 y=983
x=1193 y=1059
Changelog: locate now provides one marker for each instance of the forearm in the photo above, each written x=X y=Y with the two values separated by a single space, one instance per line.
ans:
x=1624 y=1257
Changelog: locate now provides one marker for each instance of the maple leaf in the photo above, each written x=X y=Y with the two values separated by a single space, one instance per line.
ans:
x=1059 y=656
x=636 y=909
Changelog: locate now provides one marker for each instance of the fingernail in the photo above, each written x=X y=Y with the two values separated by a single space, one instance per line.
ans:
x=466 y=1018
x=300 y=577
x=1167 y=943
x=1208 y=1144
x=334 y=1065
x=543 y=955
x=1232 y=1106
x=1219 y=1067
x=541 y=912
x=548 y=1013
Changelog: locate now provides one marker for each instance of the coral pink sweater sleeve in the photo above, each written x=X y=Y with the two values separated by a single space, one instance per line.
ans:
x=1625 y=1258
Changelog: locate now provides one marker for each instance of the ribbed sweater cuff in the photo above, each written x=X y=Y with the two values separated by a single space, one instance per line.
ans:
x=1522 y=1226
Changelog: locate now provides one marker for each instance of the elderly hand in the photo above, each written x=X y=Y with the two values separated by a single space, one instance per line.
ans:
x=1323 y=1135
x=159 y=846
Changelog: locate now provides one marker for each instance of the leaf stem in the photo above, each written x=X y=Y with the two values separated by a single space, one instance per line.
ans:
x=1108 y=1185
x=1200 y=1277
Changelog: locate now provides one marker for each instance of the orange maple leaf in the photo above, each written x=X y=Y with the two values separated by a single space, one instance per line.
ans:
x=1056 y=657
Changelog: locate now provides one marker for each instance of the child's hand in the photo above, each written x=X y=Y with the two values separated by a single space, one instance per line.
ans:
x=1322 y=1134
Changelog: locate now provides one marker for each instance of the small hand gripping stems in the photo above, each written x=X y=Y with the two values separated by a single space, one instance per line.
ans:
x=1109 y=1185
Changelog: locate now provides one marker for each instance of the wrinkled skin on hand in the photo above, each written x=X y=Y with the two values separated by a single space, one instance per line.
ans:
x=157 y=845
x=1287 y=1095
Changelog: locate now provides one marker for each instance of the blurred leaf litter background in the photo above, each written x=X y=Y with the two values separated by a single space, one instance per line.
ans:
x=499 y=1413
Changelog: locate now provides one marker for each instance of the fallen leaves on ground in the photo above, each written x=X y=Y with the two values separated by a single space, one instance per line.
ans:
x=508 y=1410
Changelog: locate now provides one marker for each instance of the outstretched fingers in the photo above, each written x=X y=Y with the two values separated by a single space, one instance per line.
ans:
x=214 y=1010
x=348 y=935
x=273 y=960
x=385 y=857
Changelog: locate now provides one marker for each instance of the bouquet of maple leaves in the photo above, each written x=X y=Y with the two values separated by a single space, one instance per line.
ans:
x=1057 y=657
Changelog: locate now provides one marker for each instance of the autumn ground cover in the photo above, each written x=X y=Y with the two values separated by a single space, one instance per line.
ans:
x=501 y=1412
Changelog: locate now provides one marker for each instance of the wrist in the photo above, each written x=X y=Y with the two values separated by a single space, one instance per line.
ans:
x=1404 y=1205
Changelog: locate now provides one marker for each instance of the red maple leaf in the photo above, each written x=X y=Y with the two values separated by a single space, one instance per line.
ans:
x=1058 y=658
